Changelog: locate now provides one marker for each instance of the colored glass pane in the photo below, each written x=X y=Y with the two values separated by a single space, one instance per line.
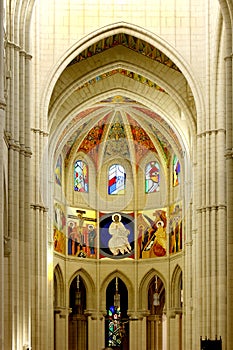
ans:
x=114 y=327
x=80 y=176
x=176 y=171
x=58 y=171
x=116 y=179
x=152 y=177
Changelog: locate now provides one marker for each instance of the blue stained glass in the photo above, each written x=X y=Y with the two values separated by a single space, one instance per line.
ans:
x=114 y=326
x=116 y=179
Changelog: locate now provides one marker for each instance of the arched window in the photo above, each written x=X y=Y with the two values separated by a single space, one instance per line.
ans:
x=80 y=176
x=152 y=178
x=176 y=171
x=116 y=179
x=58 y=171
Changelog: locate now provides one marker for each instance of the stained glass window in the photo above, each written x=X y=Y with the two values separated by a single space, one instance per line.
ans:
x=80 y=176
x=176 y=171
x=114 y=327
x=152 y=177
x=58 y=171
x=116 y=179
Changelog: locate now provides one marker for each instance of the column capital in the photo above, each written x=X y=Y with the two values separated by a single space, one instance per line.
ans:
x=137 y=315
x=229 y=57
x=40 y=132
x=95 y=315
x=173 y=312
x=157 y=318
x=229 y=154
x=62 y=311
x=3 y=104
x=39 y=207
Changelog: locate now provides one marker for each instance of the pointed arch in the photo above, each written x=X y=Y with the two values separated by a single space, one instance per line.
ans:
x=59 y=288
x=116 y=179
x=122 y=27
x=144 y=287
x=89 y=286
x=127 y=283
x=176 y=288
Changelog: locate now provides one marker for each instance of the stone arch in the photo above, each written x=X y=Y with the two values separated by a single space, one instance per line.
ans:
x=144 y=287
x=128 y=285
x=21 y=20
x=176 y=287
x=59 y=290
x=170 y=80
x=227 y=12
x=113 y=29
x=89 y=285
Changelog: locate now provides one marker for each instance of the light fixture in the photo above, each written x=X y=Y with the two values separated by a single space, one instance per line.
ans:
x=156 y=294
x=117 y=296
x=78 y=294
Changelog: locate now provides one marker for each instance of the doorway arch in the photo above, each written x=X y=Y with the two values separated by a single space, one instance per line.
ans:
x=117 y=319
x=78 y=325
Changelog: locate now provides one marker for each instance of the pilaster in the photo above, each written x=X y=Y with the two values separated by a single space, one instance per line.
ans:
x=229 y=191
x=3 y=235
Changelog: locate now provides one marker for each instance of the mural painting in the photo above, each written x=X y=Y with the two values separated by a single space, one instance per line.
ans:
x=59 y=228
x=117 y=235
x=81 y=231
x=175 y=229
x=152 y=237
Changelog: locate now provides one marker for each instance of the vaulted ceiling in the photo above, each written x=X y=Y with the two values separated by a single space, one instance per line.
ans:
x=121 y=95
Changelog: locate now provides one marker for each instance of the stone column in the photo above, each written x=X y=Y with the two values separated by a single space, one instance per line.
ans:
x=176 y=326
x=78 y=332
x=229 y=199
x=14 y=329
x=61 y=316
x=96 y=325
x=4 y=242
x=137 y=330
x=42 y=310
x=155 y=336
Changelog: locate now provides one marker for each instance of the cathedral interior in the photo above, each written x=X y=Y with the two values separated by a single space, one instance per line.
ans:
x=116 y=175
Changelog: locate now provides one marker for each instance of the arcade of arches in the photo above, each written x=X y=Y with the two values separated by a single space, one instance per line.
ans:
x=116 y=174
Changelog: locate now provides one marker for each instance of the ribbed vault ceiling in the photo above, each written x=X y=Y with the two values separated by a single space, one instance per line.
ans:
x=121 y=96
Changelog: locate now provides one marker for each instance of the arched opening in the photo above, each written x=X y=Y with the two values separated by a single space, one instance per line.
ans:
x=177 y=306
x=77 y=319
x=117 y=320
x=121 y=127
x=156 y=325
x=59 y=320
